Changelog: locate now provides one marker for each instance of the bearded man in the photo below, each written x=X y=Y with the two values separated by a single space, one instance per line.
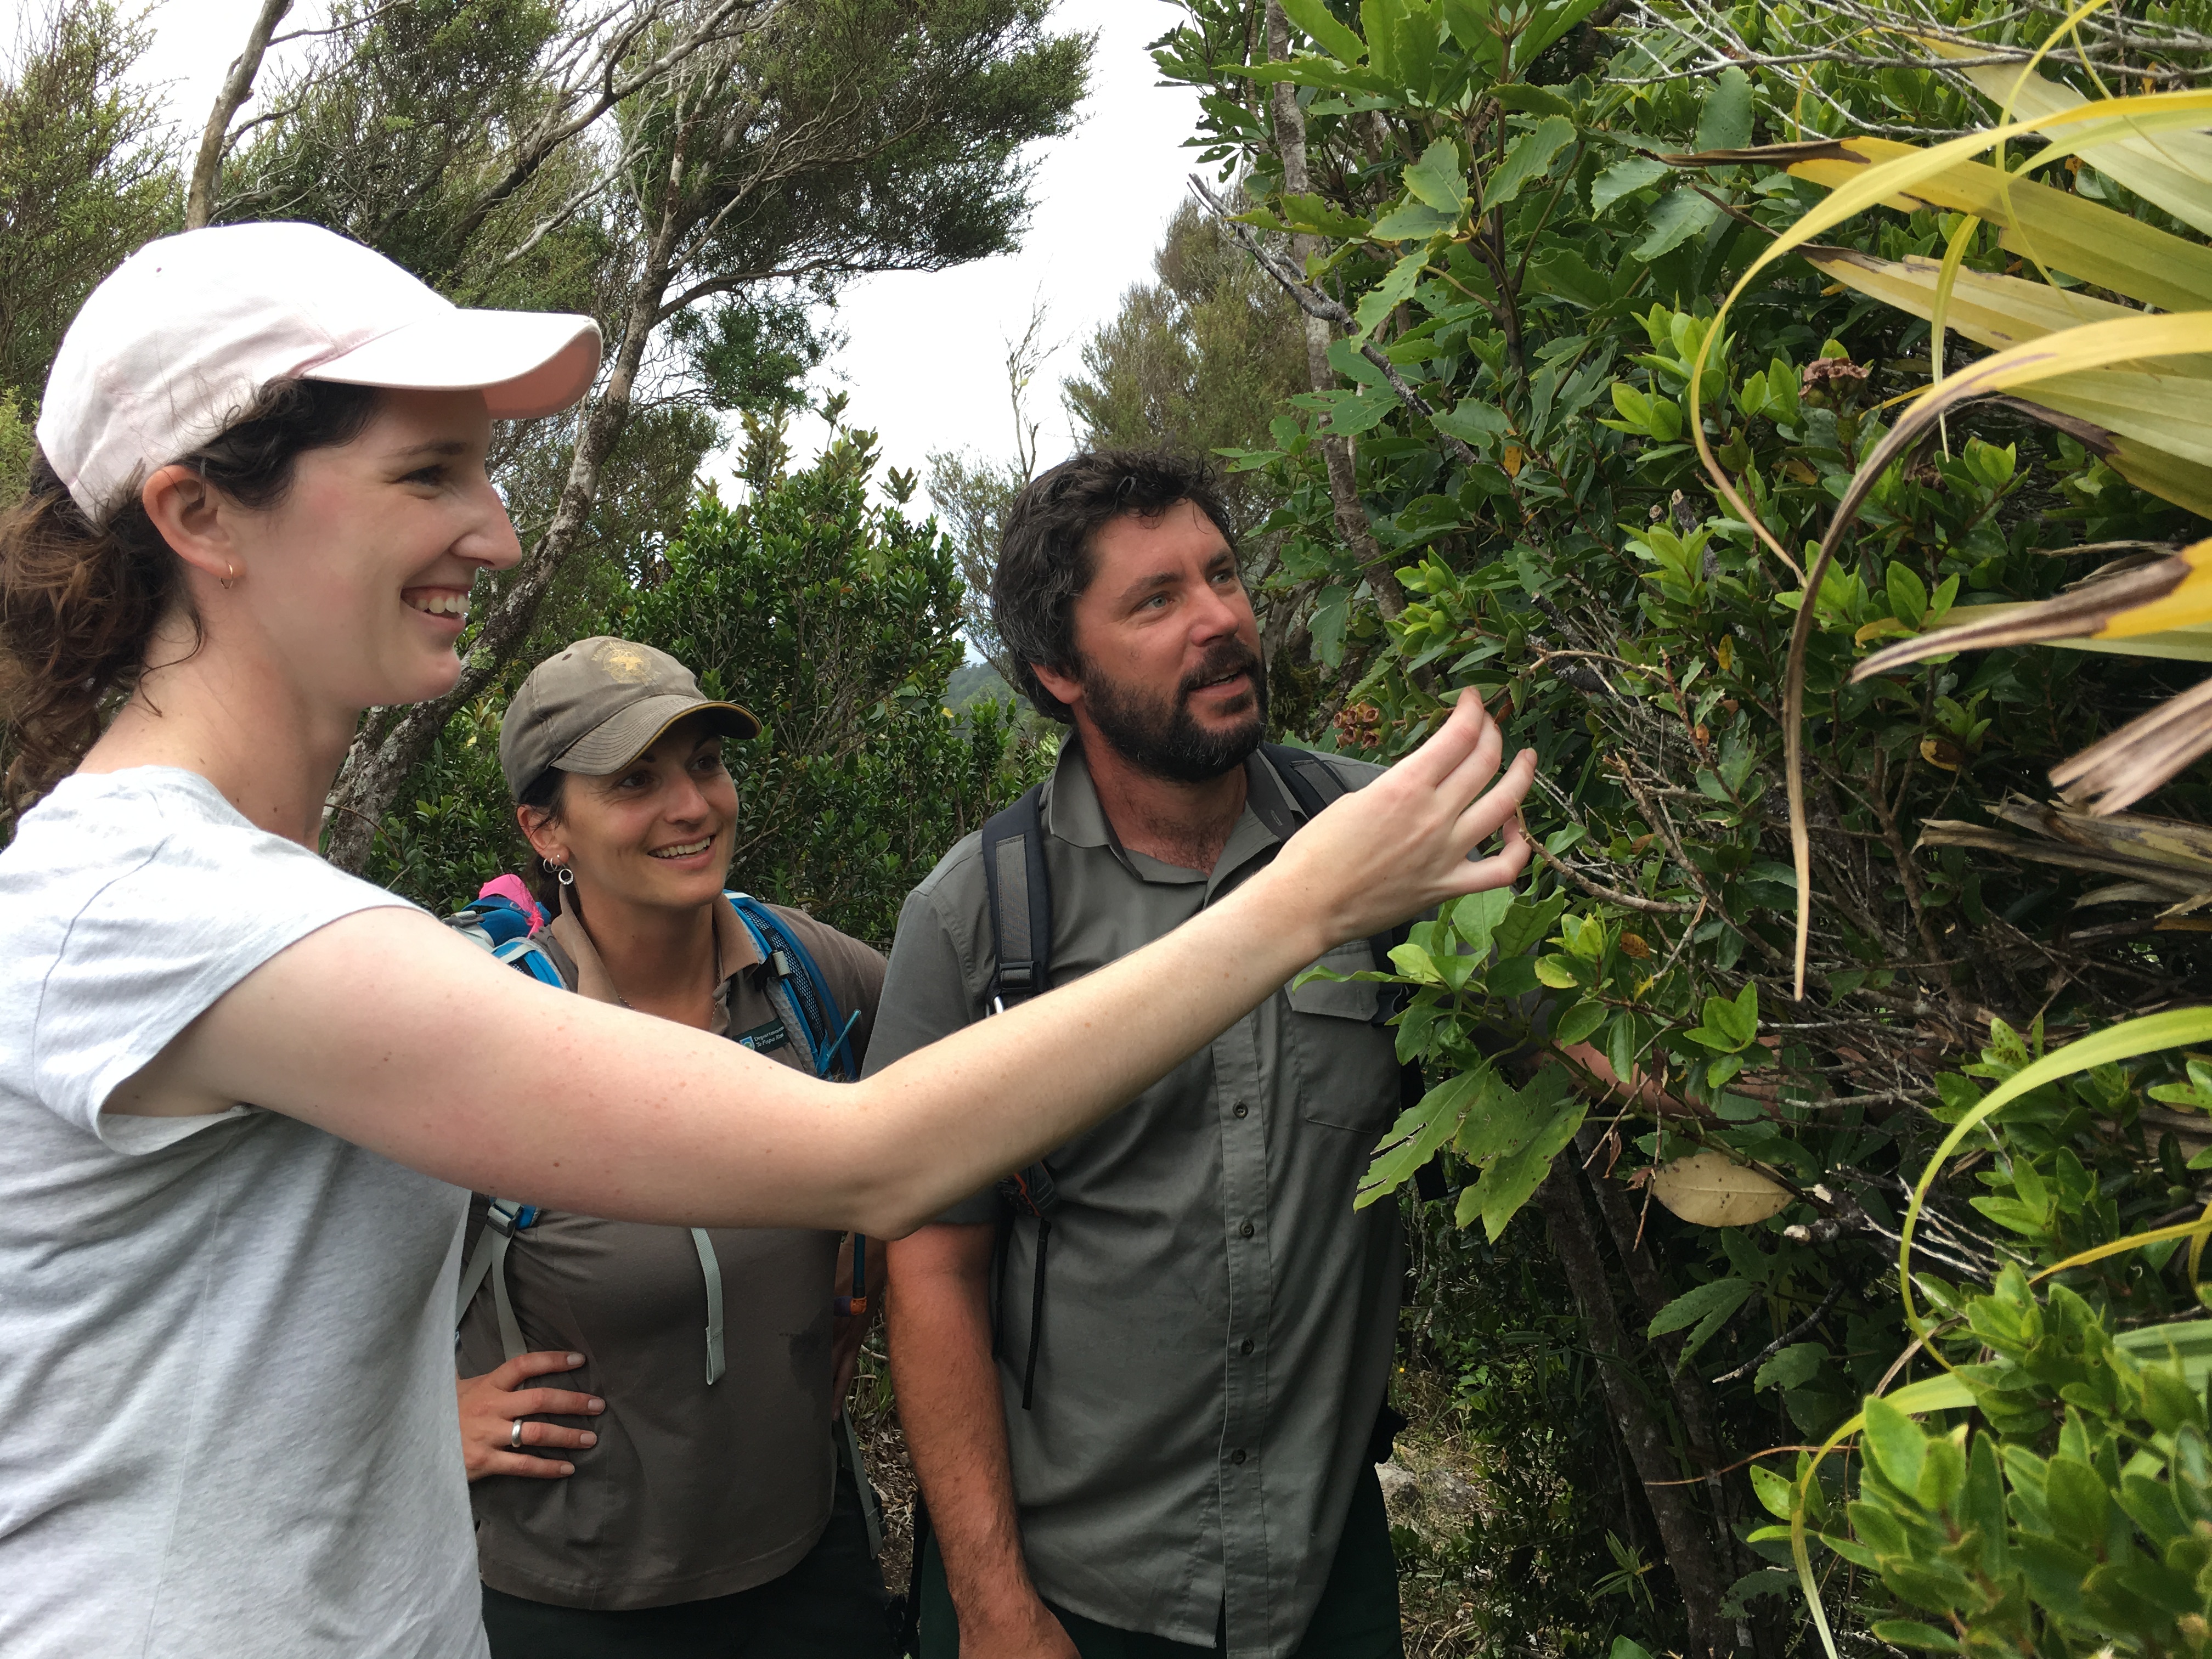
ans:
x=1167 y=1444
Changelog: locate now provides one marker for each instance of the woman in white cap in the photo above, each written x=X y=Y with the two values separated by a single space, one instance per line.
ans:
x=225 y=1329
x=712 y=1508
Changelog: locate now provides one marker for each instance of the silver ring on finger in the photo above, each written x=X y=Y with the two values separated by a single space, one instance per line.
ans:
x=514 y=1436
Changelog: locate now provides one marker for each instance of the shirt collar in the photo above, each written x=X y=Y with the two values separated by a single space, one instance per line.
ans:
x=593 y=980
x=1073 y=813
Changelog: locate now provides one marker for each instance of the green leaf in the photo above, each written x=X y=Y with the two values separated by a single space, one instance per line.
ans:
x=1677 y=218
x=1622 y=178
x=1315 y=17
x=1513 y=1176
x=1722 y=1295
x=1477 y=917
x=1412 y=222
x=1473 y=423
x=1436 y=179
x=1908 y=595
x=1563 y=271
x=1420 y=1130
x=2078 y=1502
x=1896 y=1443
x=1577 y=1022
x=1469 y=24
x=1557 y=972
x=1414 y=962
x=1724 y=123
x=1317 y=215
x=1793 y=1368
x=1387 y=296
x=1530 y=157
x=1912 y=1633
x=1775 y=1494
x=1546 y=23
x=1525 y=99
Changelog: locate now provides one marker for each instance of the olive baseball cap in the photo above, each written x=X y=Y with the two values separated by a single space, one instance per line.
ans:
x=596 y=707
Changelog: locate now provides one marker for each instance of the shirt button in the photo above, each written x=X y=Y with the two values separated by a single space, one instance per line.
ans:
x=1241 y=1110
x=1245 y=1346
x=1237 y=1457
x=1246 y=1231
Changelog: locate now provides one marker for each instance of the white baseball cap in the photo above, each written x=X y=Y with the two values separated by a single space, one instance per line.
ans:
x=177 y=342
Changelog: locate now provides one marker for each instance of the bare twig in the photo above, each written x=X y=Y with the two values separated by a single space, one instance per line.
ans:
x=237 y=87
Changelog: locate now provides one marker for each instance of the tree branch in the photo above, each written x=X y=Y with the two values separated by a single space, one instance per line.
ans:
x=237 y=87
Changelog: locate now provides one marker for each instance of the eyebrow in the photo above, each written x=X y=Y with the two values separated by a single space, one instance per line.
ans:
x=440 y=446
x=1146 y=585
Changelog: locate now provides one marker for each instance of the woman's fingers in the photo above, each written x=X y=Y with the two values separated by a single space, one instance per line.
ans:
x=1502 y=868
x=1490 y=812
x=541 y=1362
x=551 y=1434
x=531 y=1468
x=551 y=1403
x=1463 y=785
x=1449 y=744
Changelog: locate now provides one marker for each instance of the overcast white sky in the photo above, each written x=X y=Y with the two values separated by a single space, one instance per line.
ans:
x=923 y=361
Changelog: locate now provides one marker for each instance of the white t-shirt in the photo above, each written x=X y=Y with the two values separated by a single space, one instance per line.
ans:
x=227 y=1423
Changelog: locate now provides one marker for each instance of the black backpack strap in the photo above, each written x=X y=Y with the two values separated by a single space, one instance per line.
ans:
x=1020 y=894
x=1021 y=902
x=1314 y=784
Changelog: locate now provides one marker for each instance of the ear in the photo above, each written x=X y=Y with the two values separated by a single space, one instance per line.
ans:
x=1066 y=687
x=543 y=832
x=195 y=519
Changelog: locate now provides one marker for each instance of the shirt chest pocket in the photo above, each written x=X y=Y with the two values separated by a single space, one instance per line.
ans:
x=1348 y=1066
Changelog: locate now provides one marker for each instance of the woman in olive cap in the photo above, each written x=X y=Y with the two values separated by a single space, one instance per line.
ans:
x=706 y=1514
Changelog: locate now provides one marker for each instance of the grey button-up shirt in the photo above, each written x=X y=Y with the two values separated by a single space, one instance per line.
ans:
x=1218 y=1322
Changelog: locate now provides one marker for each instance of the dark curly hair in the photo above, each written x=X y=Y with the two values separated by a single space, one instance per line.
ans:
x=1044 y=555
x=80 y=600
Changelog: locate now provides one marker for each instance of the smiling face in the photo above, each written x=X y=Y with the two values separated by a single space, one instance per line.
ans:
x=359 y=579
x=656 y=834
x=1168 y=669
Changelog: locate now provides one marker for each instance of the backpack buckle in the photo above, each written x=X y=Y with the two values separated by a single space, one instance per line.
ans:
x=507 y=1220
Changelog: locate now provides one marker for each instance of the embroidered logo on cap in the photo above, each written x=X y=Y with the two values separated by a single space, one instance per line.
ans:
x=624 y=663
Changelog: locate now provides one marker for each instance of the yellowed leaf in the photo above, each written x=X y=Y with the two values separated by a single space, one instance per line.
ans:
x=1707 y=1190
x=1511 y=459
x=1941 y=751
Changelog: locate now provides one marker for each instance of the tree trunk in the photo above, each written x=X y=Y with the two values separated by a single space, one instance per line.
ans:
x=237 y=87
x=378 y=767
x=1693 y=1400
x=1290 y=124
x=1690 y=1554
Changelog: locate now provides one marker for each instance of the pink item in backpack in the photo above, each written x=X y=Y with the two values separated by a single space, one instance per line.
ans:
x=510 y=889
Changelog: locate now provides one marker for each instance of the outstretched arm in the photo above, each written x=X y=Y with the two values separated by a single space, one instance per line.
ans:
x=386 y=1028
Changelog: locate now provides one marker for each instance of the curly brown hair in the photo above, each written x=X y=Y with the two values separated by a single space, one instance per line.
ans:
x=1044 y=556
x=80 y=599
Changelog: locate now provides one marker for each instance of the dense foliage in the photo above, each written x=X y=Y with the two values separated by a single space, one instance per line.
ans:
x=1519 y=285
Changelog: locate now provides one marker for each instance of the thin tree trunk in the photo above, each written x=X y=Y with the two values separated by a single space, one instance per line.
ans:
x=207 y=168
x=1290 y=124
x=1690 y=1555
x=375 y=770
x=1693 y=1400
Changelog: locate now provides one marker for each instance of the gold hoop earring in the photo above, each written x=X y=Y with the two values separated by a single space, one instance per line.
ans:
x=229 y=575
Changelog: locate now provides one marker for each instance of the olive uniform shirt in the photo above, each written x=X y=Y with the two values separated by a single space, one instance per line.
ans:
x=1218 y=1320
x=692 y=1491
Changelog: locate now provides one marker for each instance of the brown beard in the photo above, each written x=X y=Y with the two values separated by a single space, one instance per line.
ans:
x=1158 y=735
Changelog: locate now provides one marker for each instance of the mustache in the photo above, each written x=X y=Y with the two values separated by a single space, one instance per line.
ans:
x=1229 y=657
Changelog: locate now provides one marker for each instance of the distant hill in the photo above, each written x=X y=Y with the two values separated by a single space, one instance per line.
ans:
x=972 y=682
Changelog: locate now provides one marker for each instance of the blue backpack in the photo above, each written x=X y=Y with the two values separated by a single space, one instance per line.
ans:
x=806 y=1007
